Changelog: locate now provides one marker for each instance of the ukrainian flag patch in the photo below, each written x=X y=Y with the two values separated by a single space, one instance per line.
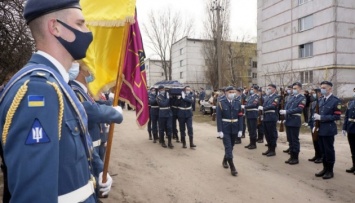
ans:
x=35 y=101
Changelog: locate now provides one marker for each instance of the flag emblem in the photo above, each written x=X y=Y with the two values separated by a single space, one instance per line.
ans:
x=35 y=101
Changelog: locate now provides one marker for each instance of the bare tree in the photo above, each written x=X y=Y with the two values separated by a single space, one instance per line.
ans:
x=165 y=27
x=16 y=45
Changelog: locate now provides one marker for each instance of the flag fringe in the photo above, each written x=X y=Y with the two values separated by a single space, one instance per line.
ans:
x=112 y=23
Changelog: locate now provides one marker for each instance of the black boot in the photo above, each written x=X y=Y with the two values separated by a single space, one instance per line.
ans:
x=352 y=169
x=247 y=146
x=192 y=142
x=329 y=174
x=323 y=171
x=238 y=140
x=271 y=152
x=225 y=162
x=318 y=160
x=252 y=144
x=294 y=160
x=155 y=138
x=150 y=136
x=183 y=142
x=162 y=141
x=267 y=151
x=260 y=140
x=287 y=150
x=170 y=145
x=234 y=171
x=177 y=138
x=289 y=159
x=313 y=159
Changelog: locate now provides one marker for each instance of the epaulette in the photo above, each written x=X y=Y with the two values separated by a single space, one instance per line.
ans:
x=42 y=74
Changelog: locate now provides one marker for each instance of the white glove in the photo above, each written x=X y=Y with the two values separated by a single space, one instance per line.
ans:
x=213 y=107
x=179 y=97
x=240 y=134
x=243 y=106
x=260 y=108
x=167 y=95
x=262 y=117
x=279 y=121
x=284 y=121
x=344 y=133
x=111 y=95
x=119 y=109
x=220 y=134
x=105 y=187
x=316 y=117
x=283 y=112
x=183 y=94
x=314 y=129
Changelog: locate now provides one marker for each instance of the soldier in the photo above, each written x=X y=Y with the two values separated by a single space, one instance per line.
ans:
x=165 y=117
x=174 y=104
x=318 y=155
x=288 y=97
x=270 y=118
x=149 y=125
x=154 y=113
x=245 y=96
x=251 y=108
x=239 y=97
x=49 y=139
x=329 y=112
x=293 y=112
x=260 y=126
x=229 y=125
x=349 y=128
x=185 y=116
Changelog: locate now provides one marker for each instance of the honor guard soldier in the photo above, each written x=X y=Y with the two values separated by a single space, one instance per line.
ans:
x=251 y=111
x=229 y=125
x=260 y=126
x=293 y=112
x=288 y=98
x=154 y=112
x=270 y=118
x=185 y=116
x=316 y=95
x=174 y=104
x=165 y=117
x=349 y=129
x=329 y=112
x=149 y=125
x=45 y=145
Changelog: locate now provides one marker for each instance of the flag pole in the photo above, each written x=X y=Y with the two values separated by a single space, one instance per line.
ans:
x=115 y=100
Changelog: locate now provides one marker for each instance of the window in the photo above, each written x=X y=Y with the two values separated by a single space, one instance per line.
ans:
x=249 y=73
x=300 y=2
x=255 y=64
x=306 y=50
x=255 y=75
x=181 y=63
x=181 y=51
x=181 y=75
x=306 y=77
x=305 y=23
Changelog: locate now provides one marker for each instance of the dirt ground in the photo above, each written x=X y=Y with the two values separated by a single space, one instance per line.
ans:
x=146 y=172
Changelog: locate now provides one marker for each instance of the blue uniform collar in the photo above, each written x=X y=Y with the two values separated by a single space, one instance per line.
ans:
x=39 y=59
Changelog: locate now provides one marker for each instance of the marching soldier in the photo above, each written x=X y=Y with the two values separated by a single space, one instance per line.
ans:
x=154 y=112
x=229 y=125
x=270 y=118
x=288 y=98
x=174 y=104
x=329 y=112
x=318 y=155
x=349 y=128
x=165 y=117
x=185 y=116
x=293 y=112
x=251 y=108
x=49 y=117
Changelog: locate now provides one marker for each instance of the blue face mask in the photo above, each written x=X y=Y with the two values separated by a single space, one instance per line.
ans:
x=89 y=78
x=323 y=91
x=314 y=96
x=251 y=91
x=73 y=71
x=288 y=91
x=268 y=92
x=295 y=92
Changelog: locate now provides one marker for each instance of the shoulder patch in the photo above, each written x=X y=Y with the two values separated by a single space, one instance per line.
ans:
x=37 y=135
x=35 y=101
x=39 y=73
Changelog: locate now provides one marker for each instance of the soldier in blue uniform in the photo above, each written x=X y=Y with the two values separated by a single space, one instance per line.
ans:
x=154 y=112
x=318 y=155
x=293 y=112
x=48 y=151
x=149 y=125
x=288 y=98
x=260 y=126
x=244 y=97
x=251 y=110
x=174 y=104
x=239 y=97
x=185 y=116
x=329 y=112
x=165 y=117
x=229 y=125
x=270 y=118
x=349 y=129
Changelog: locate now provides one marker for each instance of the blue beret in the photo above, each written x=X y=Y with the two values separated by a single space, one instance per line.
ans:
x=229 y=88
x=297 y=84
x=255 y=87
x=36 y=8
x=327 y=83
x=272 y=85
x=160 y=87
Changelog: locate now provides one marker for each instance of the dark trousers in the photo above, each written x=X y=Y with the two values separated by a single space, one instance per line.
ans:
x=154 y=124
x=306 y=114
x=287 y=136
x=244 y=125
x=228 y=142
x=175 y=130
x=294 y=141
x=252 y=125
x=183 y=123
x=326 y=144
x=260 y=132
x=102 y=150
x=270 y=132
x=318 y=153
x=165 y=125
x=149 y=127
x=351 y=139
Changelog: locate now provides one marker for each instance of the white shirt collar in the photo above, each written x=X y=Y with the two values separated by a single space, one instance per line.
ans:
x=56 y=63
x=327 y=97
x=82 y=86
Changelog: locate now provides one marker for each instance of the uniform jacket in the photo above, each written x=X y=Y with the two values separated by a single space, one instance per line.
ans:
x=174 y=104
x=294 y=108
x=251 y=107
x=185 y=107
x=229 y=110
x=349 y=125
x=45 y=156
x=270 y=108
x=329 y=111
x=154 y=107
x=164 y=106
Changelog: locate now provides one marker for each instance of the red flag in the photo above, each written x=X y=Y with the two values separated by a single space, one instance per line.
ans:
x=134 y=85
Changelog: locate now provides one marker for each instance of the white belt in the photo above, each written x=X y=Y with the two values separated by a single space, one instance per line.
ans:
x=78 y=195
x=154 y=107
x=164 y=108
x=297 y=114
x=96 y=143
x=269 y=111
x=252 y=110
x=185 y=108
x=230 y=120
x=352 y=120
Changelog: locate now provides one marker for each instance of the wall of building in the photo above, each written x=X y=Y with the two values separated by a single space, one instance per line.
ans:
x=154 y=71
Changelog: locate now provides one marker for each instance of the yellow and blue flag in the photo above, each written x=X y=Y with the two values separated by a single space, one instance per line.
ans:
x=35 y=101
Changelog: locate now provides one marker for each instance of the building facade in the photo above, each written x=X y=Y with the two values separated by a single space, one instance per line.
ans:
x=154 y=71
x=307 y=41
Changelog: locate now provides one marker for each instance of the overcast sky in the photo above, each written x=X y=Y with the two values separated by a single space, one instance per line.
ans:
x=243 y=16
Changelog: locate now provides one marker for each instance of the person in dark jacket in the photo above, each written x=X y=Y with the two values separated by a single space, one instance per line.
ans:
x=185 y=116
x=349 y=129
